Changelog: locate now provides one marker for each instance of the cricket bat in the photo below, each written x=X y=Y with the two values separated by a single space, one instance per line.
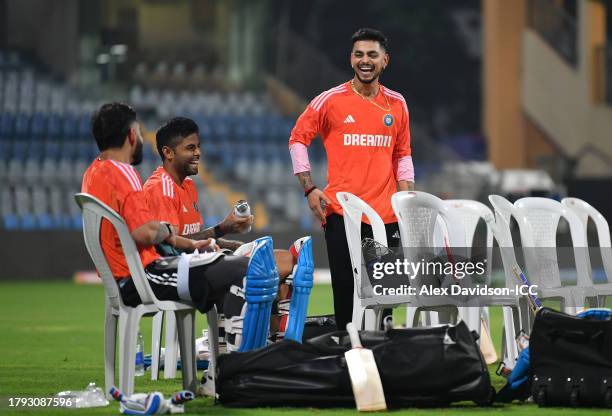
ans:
x=534 y=302
x=365 y=380
x=486 y=344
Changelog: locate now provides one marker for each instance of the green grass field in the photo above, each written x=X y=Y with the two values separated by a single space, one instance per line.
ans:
x=52 y=337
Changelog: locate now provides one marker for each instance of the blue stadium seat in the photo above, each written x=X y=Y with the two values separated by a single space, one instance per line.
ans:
x=69 y=126
x=84 y=126
x=22 y=125
x=38 y=125
x=54 y=126
x=10 y=222
x=76 y=222
x=7 y=122
x=51 y=149
x=45 y=222
x=19 y=149
x=27 y=222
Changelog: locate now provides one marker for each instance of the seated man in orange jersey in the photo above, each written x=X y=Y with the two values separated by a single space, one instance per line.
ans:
x=172 y=196
x=208 y=277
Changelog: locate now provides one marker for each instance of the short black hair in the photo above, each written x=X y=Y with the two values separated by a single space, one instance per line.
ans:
x=175 y=130
x=111 y=123
x=371 y=34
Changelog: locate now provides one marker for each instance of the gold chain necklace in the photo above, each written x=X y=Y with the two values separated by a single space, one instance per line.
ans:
x=371 y=100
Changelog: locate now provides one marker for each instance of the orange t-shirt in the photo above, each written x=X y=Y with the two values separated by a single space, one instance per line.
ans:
x=118 y=185
x=363 y=143
x=174 y=203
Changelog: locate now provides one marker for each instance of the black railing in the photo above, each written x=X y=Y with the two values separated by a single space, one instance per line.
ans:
x=556 y=26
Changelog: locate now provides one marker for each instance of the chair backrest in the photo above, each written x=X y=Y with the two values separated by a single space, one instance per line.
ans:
x=542 y=215
x=94 y=211
x=354 y=209
x=417 y=215
x=471 y=212
x=503 y=207
x=584 y=211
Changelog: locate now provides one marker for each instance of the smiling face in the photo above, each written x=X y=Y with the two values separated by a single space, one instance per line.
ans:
x=185 y=157
x=368 y=59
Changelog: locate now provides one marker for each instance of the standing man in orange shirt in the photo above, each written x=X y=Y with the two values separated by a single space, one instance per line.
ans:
x=366 y=135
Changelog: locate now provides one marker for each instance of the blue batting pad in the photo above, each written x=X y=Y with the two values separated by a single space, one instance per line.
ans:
x=302 y=285
x=260 y=287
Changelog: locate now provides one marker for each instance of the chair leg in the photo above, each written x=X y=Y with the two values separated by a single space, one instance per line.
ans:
x=171 y=354
x=158 y=323
x=110 y=345
x=185 y=323
x=370 y=321
x=213 y=350
x=128 y=327
x=411 y=316
x=510 y=347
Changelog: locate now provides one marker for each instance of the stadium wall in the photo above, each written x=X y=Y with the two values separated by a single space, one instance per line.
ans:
x=57 y=255
x=560 y=97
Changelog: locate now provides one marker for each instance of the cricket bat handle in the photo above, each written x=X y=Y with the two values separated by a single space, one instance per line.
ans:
x=353 y=335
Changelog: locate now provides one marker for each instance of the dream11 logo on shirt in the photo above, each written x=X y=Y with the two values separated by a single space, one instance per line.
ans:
x=367 y=140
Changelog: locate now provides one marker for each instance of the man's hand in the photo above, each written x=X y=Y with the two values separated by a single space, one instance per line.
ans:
x=318 y=201
x=205 y=245
x=233 y=224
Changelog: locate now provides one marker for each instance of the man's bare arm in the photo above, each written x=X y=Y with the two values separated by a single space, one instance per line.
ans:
x=305 y=180
x=204 y=234
x=405 y=186
x=229 y=244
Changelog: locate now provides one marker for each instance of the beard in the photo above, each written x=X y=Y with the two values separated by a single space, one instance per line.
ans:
x=138 y=152
x=368 y=81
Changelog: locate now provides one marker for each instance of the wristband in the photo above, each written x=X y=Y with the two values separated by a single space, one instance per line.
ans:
x=164 y=231
x=312 y=188
x=218 y=231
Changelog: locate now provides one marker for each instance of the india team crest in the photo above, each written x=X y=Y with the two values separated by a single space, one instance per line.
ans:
x=388 y=120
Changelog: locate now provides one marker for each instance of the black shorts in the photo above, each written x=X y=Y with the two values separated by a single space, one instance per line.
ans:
x=208 y=283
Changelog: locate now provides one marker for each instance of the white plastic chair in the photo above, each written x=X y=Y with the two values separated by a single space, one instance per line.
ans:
x=354 y=208
x=585 y=212
x=539 y=247
x=419 y=214
x=127 y=317
x=471 y=212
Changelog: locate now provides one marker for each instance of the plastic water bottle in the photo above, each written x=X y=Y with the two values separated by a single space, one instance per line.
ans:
x=242 y=209
x=92 y=396
x=140 y=369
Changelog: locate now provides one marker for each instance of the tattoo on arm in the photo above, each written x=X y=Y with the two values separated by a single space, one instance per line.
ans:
x=229 y=244
x=305 y=180
x=203 y=234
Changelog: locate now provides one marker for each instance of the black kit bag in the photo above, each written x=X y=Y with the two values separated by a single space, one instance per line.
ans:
x=418 y=367
x=571 y=360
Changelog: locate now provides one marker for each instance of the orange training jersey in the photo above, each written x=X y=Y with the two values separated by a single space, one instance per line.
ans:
x=173 y=203
x=363 y=142
x=118 y=185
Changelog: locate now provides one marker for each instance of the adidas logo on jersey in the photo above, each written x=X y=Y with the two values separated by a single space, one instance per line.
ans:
x=349 y=119
x=185 y=209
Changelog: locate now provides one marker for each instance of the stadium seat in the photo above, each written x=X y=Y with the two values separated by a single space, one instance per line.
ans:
x=125 y=317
